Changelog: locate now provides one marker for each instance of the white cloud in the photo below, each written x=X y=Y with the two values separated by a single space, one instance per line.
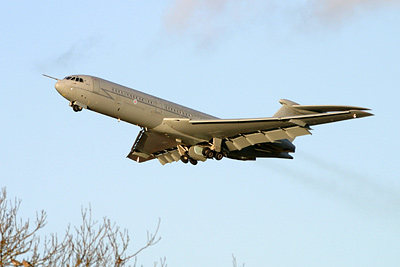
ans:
x=209 y=17
x=338 y=10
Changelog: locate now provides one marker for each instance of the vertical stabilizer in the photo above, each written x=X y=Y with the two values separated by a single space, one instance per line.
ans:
x=287 y=109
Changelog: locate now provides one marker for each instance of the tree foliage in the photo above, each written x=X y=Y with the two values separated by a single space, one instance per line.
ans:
x=90 y=244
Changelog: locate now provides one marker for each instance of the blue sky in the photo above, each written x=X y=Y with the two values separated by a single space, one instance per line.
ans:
x=335 y=204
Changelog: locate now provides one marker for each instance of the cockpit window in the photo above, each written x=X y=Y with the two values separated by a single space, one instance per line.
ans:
x=74 y=78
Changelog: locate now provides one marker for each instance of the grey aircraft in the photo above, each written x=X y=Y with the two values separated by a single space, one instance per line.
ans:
x=171 y=132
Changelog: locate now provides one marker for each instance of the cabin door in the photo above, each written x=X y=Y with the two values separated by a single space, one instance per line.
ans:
x=119 y=100
x=96 y=85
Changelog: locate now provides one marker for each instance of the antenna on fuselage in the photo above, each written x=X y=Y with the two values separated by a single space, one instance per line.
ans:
x=50 y=77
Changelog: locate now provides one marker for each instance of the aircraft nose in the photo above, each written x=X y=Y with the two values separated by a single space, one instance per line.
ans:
x=58 y=87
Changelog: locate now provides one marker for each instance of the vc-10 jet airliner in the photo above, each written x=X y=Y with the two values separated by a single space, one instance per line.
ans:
x=171 y=132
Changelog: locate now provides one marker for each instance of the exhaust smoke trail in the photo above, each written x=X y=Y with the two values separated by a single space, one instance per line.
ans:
x=321 y=184
x=75 y=53
x=347 y=174
x=354 y=188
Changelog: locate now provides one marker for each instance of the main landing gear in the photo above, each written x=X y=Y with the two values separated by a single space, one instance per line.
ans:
x=209 y=153
x=218 y=156
x=203 y=153
x=186 y=159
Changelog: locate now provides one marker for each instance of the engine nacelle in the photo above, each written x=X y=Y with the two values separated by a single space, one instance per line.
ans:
x=196 y=152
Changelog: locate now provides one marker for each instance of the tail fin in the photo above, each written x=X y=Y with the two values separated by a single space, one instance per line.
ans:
x=290 y=108
x=287 y=109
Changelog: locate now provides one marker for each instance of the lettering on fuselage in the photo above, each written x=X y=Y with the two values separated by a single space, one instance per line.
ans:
x=139 y=99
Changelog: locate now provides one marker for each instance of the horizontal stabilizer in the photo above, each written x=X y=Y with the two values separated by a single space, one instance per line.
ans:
x=290 y=108
x=327 y=108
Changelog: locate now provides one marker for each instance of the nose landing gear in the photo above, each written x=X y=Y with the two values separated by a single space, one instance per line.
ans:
x=75 y=106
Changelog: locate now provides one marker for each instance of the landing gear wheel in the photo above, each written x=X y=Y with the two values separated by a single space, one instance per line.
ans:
x=76 y=108
x=185 y=159
x=218 y=156
x=193 y=161
x=208 y=153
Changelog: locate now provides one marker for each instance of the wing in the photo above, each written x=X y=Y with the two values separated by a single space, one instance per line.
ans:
x=148 y=144
x=208 y=129
x=240 y=138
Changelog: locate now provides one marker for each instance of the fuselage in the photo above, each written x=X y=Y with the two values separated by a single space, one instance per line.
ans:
x=171 y=132
x=121 y=102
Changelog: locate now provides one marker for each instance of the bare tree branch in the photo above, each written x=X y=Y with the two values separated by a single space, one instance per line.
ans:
x=234 y=261
x=90 y=244
x=17 y=237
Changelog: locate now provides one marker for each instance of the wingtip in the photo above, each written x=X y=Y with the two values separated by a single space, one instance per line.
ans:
x=362 y=113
